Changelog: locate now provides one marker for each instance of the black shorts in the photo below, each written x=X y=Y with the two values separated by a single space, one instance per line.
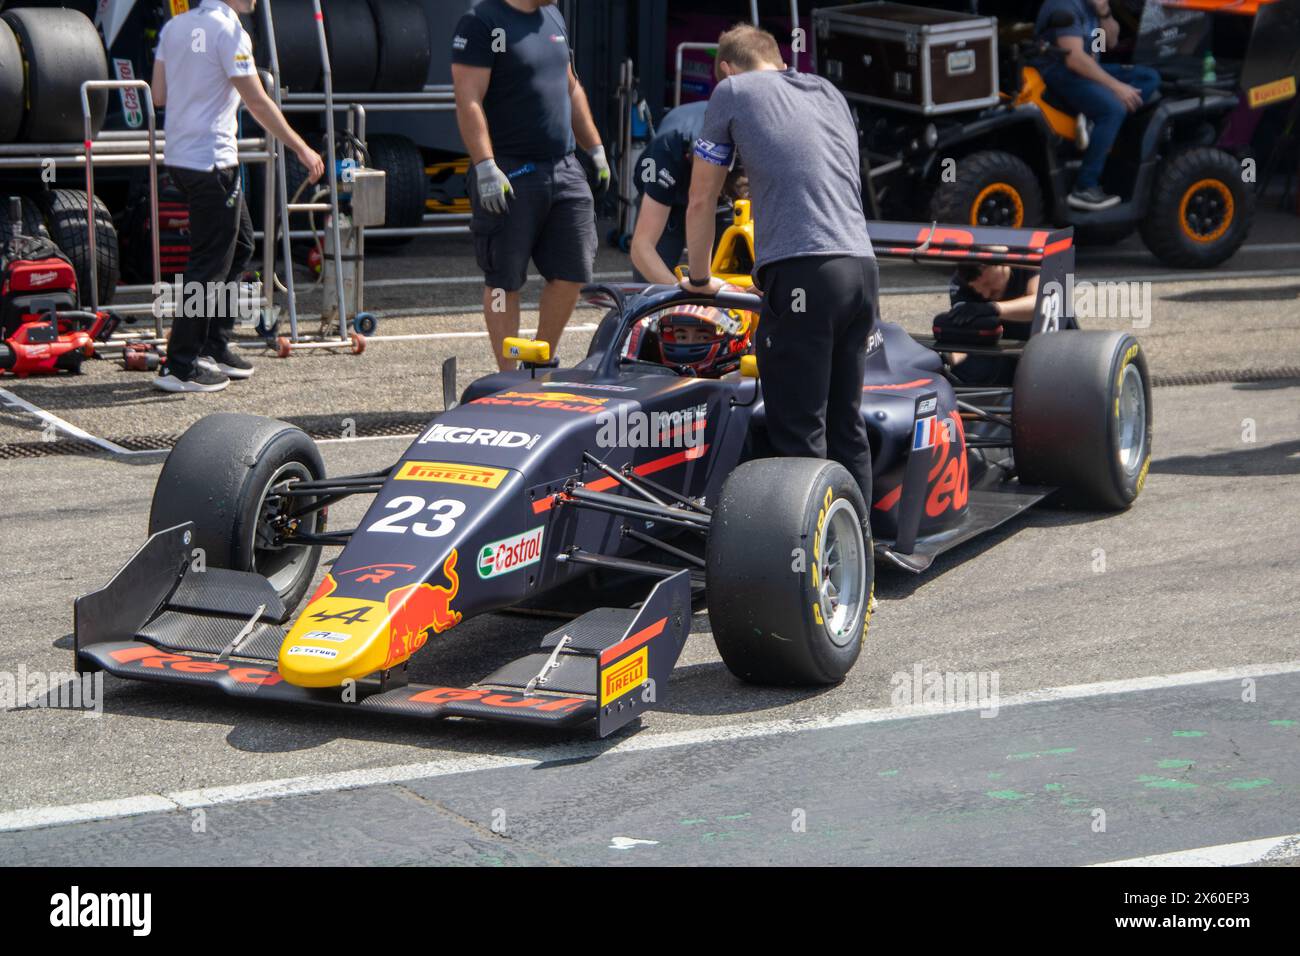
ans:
x=551 y=219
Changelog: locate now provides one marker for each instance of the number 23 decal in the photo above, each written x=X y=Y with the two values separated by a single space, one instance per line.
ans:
x=445 y=511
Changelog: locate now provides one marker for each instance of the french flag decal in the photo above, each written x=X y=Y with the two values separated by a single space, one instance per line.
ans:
x=924 y=436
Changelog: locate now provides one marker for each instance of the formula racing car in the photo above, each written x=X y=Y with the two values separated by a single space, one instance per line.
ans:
x=545 y=488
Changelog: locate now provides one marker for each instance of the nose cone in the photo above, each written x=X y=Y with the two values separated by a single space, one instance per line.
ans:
x=341 y=638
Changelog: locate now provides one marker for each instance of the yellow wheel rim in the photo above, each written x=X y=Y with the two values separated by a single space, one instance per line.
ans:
x=1206 y=210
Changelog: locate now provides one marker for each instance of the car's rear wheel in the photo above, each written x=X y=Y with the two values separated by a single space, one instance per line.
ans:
x=790 y=572
x=1081 y=416
x=224 y=475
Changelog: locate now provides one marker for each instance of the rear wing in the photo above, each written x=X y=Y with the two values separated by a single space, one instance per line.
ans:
x=1048 y=251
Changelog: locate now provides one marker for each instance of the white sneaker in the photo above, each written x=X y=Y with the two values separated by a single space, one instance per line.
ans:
x=202 y=379
x=243 y=369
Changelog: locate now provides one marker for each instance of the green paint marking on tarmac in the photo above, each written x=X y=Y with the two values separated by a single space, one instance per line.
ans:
x=883 y=773
x=1054 y=752
x=1006 y=794
x=733 y=816
x=685 y=823
x=1282 y=723
x=993 y=774
x=1188 y=733
x=1046 y=786
x=1175 y=764
x=1249 y=784
x=1164 y=783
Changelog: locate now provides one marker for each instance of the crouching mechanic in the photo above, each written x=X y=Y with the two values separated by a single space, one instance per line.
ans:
x=988 y=302
x=663 y=182
x=520 y=107
x=814 y=262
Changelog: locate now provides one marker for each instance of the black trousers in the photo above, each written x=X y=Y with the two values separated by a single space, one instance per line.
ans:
x=811 y=345
x=221 y=246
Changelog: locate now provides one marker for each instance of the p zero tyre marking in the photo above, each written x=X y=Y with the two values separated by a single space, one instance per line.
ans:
x=998 y=204
x=1210 y=203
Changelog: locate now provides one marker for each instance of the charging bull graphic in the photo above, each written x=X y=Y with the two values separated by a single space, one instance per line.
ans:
x=415 y=610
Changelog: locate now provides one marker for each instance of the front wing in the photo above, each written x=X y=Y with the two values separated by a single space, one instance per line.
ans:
x=159 y=620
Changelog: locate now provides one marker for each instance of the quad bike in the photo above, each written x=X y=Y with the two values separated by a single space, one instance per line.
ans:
x=1016 y=163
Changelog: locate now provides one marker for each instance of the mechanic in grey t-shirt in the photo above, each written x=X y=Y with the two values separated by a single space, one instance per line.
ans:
x=813 y=259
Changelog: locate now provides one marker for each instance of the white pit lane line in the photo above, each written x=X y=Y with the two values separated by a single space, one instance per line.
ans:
x=1272 y=850
x=47 y=816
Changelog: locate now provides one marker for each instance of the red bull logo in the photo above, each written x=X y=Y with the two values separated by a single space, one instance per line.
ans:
x=417 y=609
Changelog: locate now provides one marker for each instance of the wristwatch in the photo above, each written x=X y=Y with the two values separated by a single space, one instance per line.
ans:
x=694 y=281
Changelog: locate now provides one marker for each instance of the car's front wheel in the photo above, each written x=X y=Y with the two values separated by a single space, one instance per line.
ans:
x=790 y=572
x=225 y=475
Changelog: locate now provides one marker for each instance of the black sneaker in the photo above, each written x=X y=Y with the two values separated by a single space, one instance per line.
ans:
x=201 y=379
x=1091 y=199
x=229 y=364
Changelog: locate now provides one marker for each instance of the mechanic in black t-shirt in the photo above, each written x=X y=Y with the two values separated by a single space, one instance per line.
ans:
x=663 y=182
x=520 y=107
x=982 y=290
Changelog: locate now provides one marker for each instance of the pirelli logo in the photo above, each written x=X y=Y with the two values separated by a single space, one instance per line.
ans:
x=1274 y=92
x=628 y=674
x=451 y=474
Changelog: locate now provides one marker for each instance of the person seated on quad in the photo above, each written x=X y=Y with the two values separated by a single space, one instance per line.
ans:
x=985 y=295
x=699 y=340
x=1103 y=92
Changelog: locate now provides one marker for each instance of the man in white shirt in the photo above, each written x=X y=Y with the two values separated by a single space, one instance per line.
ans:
x=203 y=68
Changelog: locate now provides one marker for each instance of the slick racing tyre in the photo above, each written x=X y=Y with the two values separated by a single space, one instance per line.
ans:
x=61 y=49
x=405 y=50
x=1200 y=209
x=790 y=572
x=352 y=43
x=222 y=475
x=11 y=84
x=1081 y=416
x=992 y=188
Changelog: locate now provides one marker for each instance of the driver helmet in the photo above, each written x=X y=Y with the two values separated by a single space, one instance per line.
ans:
x=704 y=338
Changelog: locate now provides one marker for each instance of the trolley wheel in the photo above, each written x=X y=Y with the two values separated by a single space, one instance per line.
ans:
x=358 y=342
x=365 y=323
x=283 y=348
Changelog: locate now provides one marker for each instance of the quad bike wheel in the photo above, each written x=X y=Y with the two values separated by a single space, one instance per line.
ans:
x=790 y=572
x=222 y=475
x=992 y=188
x=1200 y=210
x=1081 y=416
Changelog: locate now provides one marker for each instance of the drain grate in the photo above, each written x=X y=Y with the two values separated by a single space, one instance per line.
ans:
x=384 y=424
x=320 y=427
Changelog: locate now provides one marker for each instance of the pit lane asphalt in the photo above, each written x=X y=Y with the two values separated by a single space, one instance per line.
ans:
x=1198 y=576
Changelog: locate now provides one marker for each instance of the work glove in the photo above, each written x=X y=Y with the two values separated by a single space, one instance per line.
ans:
x=493 y=187
x=968 y=323
x=969 y=313
x=597 y=154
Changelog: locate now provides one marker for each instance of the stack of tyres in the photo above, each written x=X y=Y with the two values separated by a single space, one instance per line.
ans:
x=374 y=45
